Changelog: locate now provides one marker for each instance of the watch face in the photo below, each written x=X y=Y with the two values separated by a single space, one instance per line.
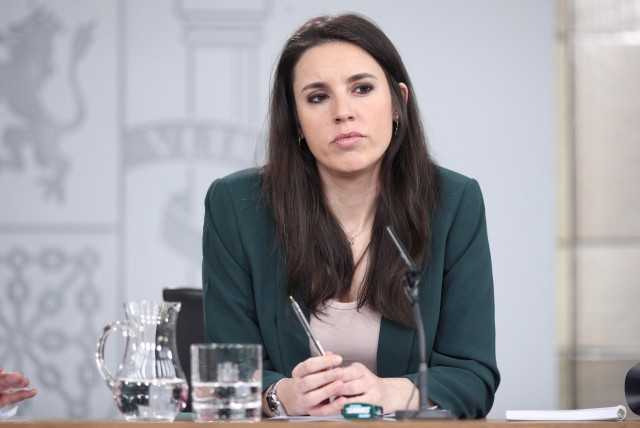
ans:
x=275 y=409
x=273 y=404
x=272 y=401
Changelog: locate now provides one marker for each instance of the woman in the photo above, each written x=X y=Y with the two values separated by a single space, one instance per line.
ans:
x=347 y=156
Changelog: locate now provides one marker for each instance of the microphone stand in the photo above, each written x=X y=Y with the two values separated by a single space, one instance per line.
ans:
x=411 y=285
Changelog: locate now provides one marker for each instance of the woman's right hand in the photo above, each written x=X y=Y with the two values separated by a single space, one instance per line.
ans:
x=312 y=384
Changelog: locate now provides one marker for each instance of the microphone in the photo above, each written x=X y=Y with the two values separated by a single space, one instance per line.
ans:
x=411 y=285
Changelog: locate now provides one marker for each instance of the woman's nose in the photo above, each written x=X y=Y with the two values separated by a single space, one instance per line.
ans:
x=343 y=110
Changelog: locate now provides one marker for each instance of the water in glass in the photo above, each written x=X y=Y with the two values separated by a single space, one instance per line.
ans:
x=151 y=399
x=220 y=401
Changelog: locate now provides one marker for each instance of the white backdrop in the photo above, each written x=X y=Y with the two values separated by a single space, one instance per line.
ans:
x=115 y=116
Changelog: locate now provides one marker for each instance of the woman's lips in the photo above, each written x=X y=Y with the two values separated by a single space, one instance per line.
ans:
x=347 y=139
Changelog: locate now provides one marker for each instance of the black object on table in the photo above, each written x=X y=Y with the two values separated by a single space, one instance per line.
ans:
x=190 y=326
x=632 y=388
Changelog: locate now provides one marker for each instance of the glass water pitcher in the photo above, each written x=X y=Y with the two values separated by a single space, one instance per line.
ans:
x=149 y=383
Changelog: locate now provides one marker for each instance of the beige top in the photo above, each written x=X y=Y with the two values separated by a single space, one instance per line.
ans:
x=348 y=332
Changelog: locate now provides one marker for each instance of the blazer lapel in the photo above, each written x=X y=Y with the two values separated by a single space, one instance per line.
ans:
x=294 y=343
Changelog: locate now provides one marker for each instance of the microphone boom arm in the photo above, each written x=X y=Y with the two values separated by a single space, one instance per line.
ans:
x=411 y=285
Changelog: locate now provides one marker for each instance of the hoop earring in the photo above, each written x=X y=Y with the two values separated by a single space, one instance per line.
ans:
x=397 y=125
x=299 y=142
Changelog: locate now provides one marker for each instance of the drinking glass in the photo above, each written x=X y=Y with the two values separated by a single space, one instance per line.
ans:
x=226 y=382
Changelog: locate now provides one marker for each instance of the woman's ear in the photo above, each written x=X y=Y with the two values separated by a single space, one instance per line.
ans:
x=405 y=91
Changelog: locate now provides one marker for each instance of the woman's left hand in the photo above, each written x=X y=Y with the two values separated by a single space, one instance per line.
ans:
x=361 y=385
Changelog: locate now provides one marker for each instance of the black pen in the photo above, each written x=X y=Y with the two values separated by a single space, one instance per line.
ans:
x=307 y=327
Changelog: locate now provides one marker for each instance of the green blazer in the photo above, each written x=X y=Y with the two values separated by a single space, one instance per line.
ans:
x=244 y=294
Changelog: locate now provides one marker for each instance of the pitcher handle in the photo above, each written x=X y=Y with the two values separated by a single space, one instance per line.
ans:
x=128 y=331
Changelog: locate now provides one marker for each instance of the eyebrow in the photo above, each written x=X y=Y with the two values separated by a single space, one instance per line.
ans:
x=355 y=77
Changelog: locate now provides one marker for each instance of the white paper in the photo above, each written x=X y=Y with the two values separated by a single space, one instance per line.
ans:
x=4 y=414
x=617 y=413
x=335 y=418
x=309 y=418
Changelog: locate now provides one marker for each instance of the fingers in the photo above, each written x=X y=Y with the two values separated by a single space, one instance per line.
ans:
x=355 y=388
x=326 y=409
x=318 y=380
x=313 y=382
x=314 y=396
x=355 y=371
x=12 y=380
x=360 y=383
x=356 y=394
x=316 y=364
x=312 y=392
x=15 y=396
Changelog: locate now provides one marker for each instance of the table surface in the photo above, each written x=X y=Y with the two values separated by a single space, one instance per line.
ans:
x=478 y=423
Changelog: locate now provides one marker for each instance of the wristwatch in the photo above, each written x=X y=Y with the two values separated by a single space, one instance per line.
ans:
x=275 y=405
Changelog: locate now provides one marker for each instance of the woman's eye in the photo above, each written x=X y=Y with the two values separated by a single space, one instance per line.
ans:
x=364 y=89
x=316 y=98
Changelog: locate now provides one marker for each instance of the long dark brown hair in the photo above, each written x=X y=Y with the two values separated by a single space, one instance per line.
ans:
x=316 y=250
